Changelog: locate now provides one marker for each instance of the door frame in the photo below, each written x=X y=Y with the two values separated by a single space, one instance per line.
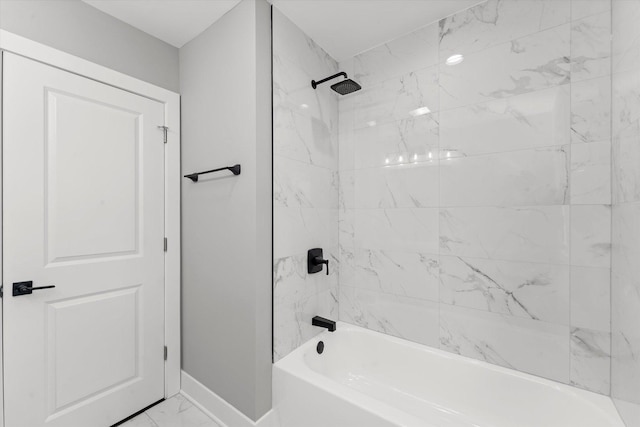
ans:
x=13 y=43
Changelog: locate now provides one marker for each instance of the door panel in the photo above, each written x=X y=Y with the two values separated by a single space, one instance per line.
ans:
x=83 y=196
x=94 y=356
x=106 y=223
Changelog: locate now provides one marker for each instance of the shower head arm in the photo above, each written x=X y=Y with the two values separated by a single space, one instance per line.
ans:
x=314 y=83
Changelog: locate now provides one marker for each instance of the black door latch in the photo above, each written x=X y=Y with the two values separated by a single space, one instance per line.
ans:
x=26 y=288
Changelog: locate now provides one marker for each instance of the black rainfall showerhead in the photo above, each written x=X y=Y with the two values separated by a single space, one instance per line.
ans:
x=343 y=88
x=346 y=86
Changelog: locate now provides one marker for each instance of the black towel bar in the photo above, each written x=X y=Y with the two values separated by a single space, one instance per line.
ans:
x=194 y=176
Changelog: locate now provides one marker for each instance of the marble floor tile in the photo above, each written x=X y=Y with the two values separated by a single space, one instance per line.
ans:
x=179 y=412
x=176 y=411
x=141 y=420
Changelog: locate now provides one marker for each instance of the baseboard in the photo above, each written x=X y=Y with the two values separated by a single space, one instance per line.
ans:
x=216 y=407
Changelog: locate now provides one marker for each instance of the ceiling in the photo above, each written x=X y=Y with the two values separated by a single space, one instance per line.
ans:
x=173 y=21
x=343 y=28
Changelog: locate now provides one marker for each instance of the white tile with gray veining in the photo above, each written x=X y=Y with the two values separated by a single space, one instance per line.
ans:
x=591 y=360
x=409 y=274
x=591 y=110
x=524 y=121
x=625 y=256
x=625 y=375
x=409 y=230
x=534 y=291
x=293 y=282
x=399 y=98
x=531 y=234
x=626 y=105
x=414 y=51
x=591 y=298
x=583 y=8
x=626 y=35
x=347 y=265
x=518 y=178
x=591 y=235
x=292 y=90
x=409 y=318
x=591 y=47
x=347 y=186
x=304 y=138
x=626 y=174
x=292 y=320
x=397 y=142
x=527 y=345
x=346 y=134
x=298 y=296
x=298 y=184
x=625 y=297
x=410 y=185
x=291 y=43
x=497 y=21
x=531 y=63
x=591 y=173
x=626 y=136
x=300 y=229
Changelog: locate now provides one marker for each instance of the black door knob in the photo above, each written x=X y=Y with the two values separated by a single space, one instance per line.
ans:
x=26 y=288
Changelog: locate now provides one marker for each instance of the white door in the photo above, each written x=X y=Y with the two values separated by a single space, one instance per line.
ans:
x=83 y=197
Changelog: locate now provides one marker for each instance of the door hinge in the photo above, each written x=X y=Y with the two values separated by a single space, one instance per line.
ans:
x=166 y=352
x=166 y=244
x=1 y=291
x=165 y=129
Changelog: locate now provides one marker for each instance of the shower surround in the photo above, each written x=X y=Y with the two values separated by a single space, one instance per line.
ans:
x=474 y=207
x=475 y=198
x=625 y=286
x=305 y=168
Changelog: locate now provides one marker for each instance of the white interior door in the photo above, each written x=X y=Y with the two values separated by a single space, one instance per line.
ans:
x=83 y=197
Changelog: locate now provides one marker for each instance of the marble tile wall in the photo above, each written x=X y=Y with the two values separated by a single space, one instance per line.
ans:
x=475 y=199
x=625 y=289
x=305 y=165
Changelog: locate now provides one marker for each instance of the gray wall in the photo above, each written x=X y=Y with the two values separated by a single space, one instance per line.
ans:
x=225 y=82
x=79 y=29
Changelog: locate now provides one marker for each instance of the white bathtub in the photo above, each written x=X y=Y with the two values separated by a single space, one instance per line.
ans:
x=368 y=379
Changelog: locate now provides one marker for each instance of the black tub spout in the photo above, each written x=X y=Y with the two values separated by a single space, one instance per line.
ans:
x=324 y=323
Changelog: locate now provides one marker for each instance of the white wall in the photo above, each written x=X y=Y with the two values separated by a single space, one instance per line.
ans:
x=225 y=82
x=79 y=29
